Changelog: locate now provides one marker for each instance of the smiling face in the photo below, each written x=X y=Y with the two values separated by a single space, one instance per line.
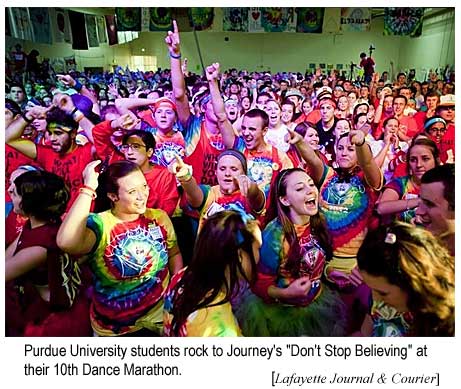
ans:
x=287 y=113
x=434 y=210
x=228 y=169
x=274 y=112
x=384 y=291
x=312 y=137
x=132 y=195
x=253 y=132
x=342 y=127
x=420 y=160
x=301 y=197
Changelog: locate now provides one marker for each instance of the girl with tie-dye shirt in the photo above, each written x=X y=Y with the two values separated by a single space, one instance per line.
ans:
x=132 y=251
x=291 y=298
x=235 y=190
x=347 y=198
x=198 y=299
x=401 y=195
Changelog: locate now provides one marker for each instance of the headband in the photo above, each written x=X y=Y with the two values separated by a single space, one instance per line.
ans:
x=236 y=154
x=166 y=101
x=432 y=121
x=327 y=101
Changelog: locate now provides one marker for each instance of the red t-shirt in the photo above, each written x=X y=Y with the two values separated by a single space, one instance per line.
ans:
x=68 y=166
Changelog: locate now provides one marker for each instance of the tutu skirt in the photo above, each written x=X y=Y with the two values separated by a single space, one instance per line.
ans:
x=325 y=316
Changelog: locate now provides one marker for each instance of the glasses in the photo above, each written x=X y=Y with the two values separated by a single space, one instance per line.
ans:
x=132 y=146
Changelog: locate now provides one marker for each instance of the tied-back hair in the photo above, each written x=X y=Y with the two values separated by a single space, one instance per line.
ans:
x=44 y=195
x=430 y=144
x=419 y=264
x=108 y=182
x=317 y=225
x=216 y=253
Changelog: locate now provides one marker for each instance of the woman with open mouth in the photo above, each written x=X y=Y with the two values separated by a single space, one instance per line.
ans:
x=347 y=195
x=290 y=298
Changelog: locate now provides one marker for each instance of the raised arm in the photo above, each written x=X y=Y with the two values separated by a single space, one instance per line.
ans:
x=68 y=80
x=177 y=77
x=225 y=126
x=365 y=159
x=183 y=173
x=14 y=131
x=124 y=105
x=74 y=237
x=308 y=154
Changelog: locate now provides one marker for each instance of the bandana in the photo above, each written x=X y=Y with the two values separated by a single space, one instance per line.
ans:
x=164 y=101
x=432 y=121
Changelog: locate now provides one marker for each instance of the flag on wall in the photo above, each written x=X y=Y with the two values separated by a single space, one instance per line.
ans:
x=21 y=27
x=310 y=20
x=201 y=18
x=91 y=31
x=7 y=23
x=275 y=19
x=332 y=21
x=111 y=29
x=61 y=25
x=254 y=20
x=355 y=19
x=145 y=18
x=78 y=30
x=160 y=19
x=128 y=19
x=40 y=19
x=235 y=19
x=101 y=27
x=403 y=21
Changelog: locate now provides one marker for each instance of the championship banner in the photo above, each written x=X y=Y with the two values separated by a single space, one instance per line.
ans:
x=60 y=25
x=160 y=19
x=20 y=23
x=111 y=29
x=201 y=18
x=355 y=19
x=403 y=21
x=41 y=26
x=91 y=31
x=310 y=20
x=101 y=27
x=128 y=19
x=235 y=19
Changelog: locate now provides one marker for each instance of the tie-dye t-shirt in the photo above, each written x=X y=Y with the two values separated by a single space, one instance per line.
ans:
x=130 y=269
x=215 y=320
x=406 y=190
x=215 y=201
x=347 y=206
x=273 y=261
x=264 y=165
x=167 y=146
x=388 y=322
x=202 y=150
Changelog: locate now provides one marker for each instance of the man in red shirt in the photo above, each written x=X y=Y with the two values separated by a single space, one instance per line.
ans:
x=368 y=66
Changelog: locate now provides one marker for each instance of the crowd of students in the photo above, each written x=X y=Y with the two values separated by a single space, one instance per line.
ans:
x=233 y=203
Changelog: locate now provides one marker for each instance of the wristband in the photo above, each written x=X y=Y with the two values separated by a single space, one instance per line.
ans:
x=78 y=115
x=175 y=56
x=78 y=86
x=23 y=115
x=89 y=188
x=86 y=191
x=73 y=111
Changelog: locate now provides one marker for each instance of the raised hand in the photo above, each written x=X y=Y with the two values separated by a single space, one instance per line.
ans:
x=292 y=137
x=212 y=72
x=38 y=112
x=64 y=102
x=356 y=137
x=127 y=121
x=66 y=79
x=90 y=175
x=181 y=170
x=172 y=40
x=243 y=182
